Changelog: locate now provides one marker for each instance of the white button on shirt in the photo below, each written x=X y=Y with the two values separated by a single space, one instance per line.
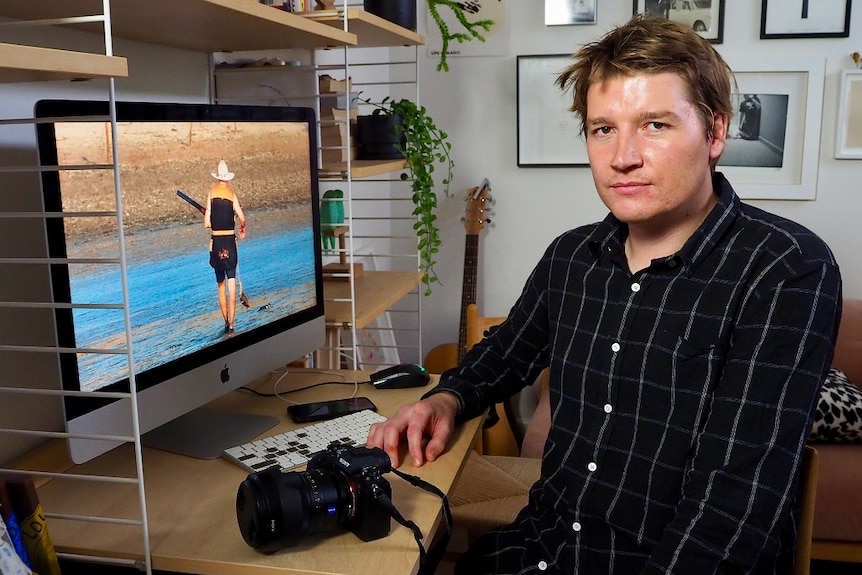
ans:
x=616 y=347
x=542 y=565
x=576 y=526
x=636 y=287
x=592 y=466
x=608 y=408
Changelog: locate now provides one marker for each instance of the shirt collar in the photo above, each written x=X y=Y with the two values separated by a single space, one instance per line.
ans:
x=610 y=234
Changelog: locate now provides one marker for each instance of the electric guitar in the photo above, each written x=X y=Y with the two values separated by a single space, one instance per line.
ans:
x=448 y=355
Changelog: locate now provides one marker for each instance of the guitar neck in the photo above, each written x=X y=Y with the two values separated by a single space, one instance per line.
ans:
x=468 y=288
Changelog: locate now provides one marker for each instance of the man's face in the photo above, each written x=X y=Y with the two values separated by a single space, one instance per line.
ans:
x=649 y=152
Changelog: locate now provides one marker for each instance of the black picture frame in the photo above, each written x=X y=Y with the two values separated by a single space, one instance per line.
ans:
x=705 y=16
x=783 y=21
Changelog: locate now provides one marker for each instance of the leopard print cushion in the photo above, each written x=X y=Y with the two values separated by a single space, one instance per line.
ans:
x=839 y=411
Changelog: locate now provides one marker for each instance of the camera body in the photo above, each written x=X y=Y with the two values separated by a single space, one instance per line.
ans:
x=341 y=486
x=370 y=520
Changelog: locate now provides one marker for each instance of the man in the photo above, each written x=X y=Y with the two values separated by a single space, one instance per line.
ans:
x=687 y=335
x=222 y=208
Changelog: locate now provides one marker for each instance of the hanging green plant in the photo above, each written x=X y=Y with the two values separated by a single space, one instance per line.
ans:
x=423 y=145
x=474 y=30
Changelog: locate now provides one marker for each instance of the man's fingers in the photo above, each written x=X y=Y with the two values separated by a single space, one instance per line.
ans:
x=415 y=440
x=391 y=441
x=437 y=443
x=434 y=418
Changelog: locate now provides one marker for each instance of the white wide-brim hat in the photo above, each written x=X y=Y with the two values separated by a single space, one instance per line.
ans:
x=222 y=173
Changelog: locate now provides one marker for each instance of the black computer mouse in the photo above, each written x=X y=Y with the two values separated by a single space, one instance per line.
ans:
x=400 y=376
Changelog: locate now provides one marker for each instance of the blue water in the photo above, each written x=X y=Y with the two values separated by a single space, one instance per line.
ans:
x=173 y=298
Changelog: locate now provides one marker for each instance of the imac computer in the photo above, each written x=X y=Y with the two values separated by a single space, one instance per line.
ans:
x=183 y=353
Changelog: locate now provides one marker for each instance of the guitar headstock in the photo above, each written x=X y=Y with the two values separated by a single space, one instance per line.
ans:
x=477 y=208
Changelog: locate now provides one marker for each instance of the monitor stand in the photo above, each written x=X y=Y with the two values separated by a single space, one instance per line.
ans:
x=205 y=433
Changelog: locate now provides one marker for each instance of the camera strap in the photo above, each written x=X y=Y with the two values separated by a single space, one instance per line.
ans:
x=428 y=560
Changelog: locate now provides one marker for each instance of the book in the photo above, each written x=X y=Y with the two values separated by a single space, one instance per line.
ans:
x=33 y=524
x=12 y=525
x=10 y=562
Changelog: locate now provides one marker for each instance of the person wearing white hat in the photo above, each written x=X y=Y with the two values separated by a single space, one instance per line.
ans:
x=222 y=209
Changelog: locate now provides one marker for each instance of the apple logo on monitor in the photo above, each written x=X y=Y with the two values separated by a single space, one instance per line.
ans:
x=225 y=374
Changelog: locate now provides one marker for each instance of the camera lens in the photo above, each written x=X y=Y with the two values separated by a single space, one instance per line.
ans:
x=276 y=510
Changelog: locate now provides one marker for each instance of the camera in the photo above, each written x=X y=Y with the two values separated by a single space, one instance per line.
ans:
x=340 y=486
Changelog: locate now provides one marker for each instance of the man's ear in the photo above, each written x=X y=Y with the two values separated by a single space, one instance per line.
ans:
x=718 y=135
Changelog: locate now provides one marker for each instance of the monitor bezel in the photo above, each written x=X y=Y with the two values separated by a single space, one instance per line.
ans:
x=51 y=110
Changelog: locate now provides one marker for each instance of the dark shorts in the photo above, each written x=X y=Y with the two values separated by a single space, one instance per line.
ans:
x=223 y=257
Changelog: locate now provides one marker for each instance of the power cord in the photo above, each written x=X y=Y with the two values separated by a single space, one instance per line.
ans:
x=280 y=394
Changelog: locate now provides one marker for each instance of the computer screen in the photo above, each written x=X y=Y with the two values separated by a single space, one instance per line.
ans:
x=184 y=351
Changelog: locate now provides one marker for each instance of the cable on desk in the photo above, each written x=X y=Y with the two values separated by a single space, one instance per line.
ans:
x=280 y=395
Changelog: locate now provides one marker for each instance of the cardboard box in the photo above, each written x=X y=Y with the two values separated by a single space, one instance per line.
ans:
x=336 y=155
x=336 y=134
x=333 y=115
x=329 y=85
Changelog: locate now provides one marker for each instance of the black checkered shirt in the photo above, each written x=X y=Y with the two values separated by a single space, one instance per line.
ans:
x=681 y=397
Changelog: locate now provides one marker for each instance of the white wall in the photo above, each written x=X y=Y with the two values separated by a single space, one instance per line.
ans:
x=475 y=104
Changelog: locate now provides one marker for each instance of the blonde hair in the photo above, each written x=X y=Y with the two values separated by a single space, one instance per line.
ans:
x=653 y=46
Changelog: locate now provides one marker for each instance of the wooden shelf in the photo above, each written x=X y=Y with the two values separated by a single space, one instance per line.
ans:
x=201 y=25
x=371 y=30
x=362 y=169
x=33 y=64
x=375 y=293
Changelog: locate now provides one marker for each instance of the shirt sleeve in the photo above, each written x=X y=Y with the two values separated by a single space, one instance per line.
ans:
x=510 y=357
x=741 y=484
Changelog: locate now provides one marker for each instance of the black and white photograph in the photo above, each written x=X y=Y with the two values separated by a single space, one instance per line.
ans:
x=706 y=17
x=757 y=132
x=569 y=12
x=805 y=19
x=773 y=138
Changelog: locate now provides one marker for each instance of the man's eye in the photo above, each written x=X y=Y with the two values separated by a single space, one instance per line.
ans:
x=657 y=125
x=602 y=130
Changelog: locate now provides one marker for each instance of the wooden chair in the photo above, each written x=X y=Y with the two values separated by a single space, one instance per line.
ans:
x=499 y=438
x=802 y=561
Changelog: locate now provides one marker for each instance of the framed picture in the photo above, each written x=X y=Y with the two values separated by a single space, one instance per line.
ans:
x=805 y=19
x=568 y=12
x=848 y=134
x=773 y=141
x=706 y=17
x=548 y=133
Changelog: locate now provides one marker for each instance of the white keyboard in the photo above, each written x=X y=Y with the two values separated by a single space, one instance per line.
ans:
x=293 y=448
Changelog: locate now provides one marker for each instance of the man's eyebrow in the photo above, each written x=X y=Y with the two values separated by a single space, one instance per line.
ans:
x=644 y=117
x=658 y=115
x=598 y=121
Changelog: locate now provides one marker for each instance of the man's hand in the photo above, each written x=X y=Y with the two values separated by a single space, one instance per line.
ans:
x=432 y=418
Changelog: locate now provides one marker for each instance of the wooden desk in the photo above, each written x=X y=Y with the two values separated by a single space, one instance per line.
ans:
x=191 y=502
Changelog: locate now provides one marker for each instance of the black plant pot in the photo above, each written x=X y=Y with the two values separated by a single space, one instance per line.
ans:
x=401 y=12
x=378 y=137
